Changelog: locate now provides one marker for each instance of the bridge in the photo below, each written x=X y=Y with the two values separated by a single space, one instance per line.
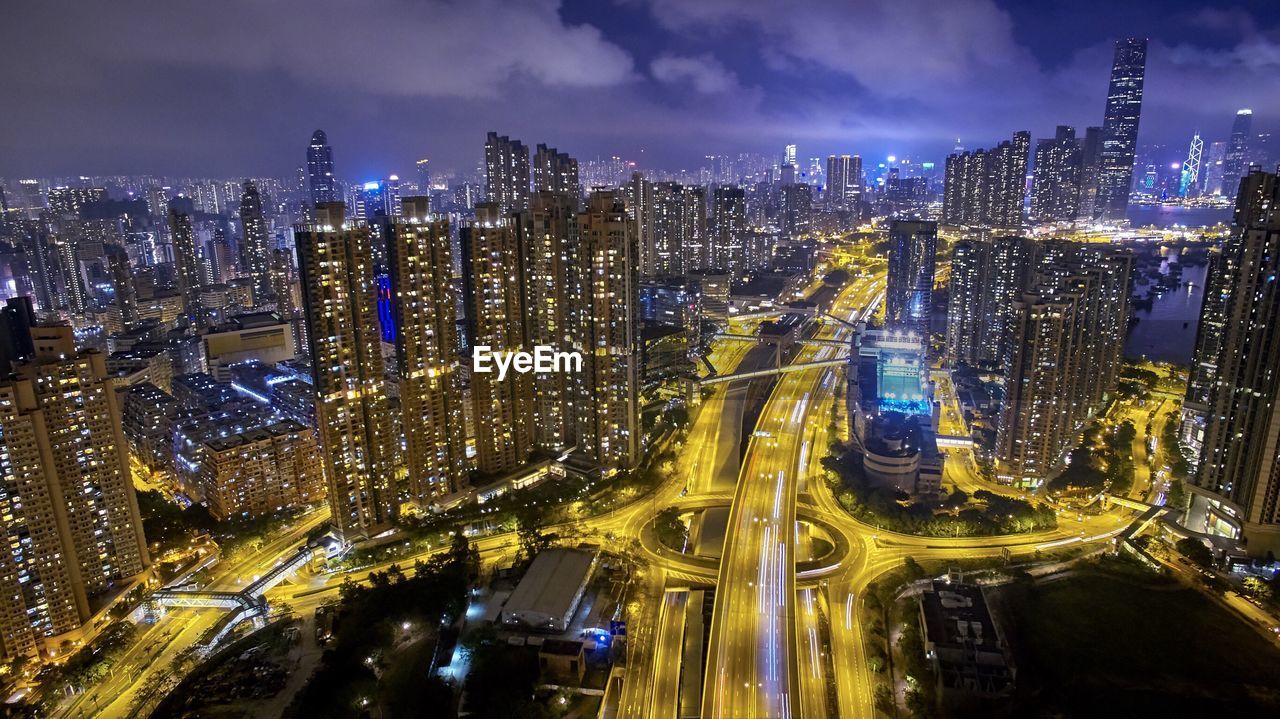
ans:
x=752 y=374
x=754 y=338
x=811 y=311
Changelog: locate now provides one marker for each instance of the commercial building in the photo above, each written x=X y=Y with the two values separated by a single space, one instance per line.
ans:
x=966 y=649
x=254 y=337
x=548 y=595
x=73 y=532
x=1120 y=128
x=335 y=261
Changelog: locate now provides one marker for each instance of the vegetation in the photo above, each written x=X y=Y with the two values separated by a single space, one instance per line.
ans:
x=1102 y=461
x=986 y=513
x=671 y=531
x=1194 y=550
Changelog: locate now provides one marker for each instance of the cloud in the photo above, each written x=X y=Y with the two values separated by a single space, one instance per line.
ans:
x=703 y=72
x=431 y=48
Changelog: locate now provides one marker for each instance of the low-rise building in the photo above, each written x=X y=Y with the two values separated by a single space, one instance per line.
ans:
x=259 y=336
x=968 y=655
x=550 y=591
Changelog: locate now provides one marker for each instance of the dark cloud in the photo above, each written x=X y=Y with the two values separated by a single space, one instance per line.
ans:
x=235 y=87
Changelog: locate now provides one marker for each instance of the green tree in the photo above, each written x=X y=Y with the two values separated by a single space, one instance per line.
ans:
x=1194 y=549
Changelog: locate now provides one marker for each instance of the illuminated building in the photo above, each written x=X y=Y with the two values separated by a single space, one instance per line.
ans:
x=549 y=243
x=1055 y=187
x=987 y=277
x=1065 y=343
x=909 y=293
x=254 y=247
x=844 y=182
x=258 y=336
x=122 y=285
x=322 y=185
x=1236 y=489
x=679 y=228
x=1120 y=127
x=1233 y=160
x=506 y=164
x=424 y=312
x=969 y=267
x=69 y=510
x=147 y=411
x=555 y=171
x=186 y=266
x=728 y=251
x=607 y=397
x=493 y=288
x=261 y=471
x=357 y=446
x=640 y=209
x=987 y=187
x=1090 y=169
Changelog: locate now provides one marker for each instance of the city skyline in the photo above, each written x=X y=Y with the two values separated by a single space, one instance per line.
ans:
x=656 y=83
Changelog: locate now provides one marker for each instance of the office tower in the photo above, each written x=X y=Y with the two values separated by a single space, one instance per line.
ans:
x=186 y=266
x=640 y=209
x=1189 y=184
x=126 y=294
x=970 y=264
x=256 y=245
x=1236 y=486
x=322 y=185
x=425 y=314
x=344 y=339
x=909 y=291
x=1120 y=128
x=608 y=413
x=506 y=164
x=493 y=288
x=987 y=187
x=1214 y=168
x=68 y=510
x=679 y=228
x=423 y=168
x=1066 y=338
x=1090 y=170
x=789 y=156
x=1233 y=163
x=554 y=171
x=549 y=243
x=843 y=181
x=729 y=230
x=1055 y=187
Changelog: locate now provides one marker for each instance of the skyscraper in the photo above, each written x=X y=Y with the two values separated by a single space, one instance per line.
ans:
x=554 y=171
x=1090 y=168
x=1236 y=491
x=323 y=185
x=256 y=244
x=1055 y=187
x=987 y=187
x=641 y=211
x=970 y=263
x=729 y=230
x=1189 y=186
x=608 y=413
x=1233 y=163
x=69 y=512
x=679 y=228
x=1120 y=127
x=431 y=412
x=1066 y=338
x=493 y=286
x=909 y=292
x=122 y=285
x=186 y=266
x=549 y=243
x=336 y=265
x=506 y=164
x=844 y=182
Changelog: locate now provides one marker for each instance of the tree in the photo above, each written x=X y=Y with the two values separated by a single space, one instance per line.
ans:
x=670 y=530
x=1194 y=549
x=1257 y=587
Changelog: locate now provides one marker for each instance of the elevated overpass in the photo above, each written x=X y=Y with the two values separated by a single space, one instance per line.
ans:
x=806 y=342
x=810 y=311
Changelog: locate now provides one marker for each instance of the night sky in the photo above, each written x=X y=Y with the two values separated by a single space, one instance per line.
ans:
x=235 y=87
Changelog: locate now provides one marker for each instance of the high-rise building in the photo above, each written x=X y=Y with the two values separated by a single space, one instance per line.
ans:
x=1189 y=186
x=909 y=292
x=1236 y=490
x=607 y=397
x=640 y=209
x=1120 y=128
x=795 y=209
x=729 y=230
x=844 y=182
x=322 y=185
x=335 y=261
x=987 y=187
x=186 y=266
x=1215 y=160
x=679 y=228
x=549 y=243
x=970 y=264
x=1065 y=343
x=68 y=511
x=1055 y=187
x=1090 y=169
x=554 y=171
x=1233 y=163
x=122 y=285
x=493 y=286
x=506 y=164
x=257 y=242
x=431 y=412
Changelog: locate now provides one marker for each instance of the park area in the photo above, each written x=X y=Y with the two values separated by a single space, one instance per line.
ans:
x=1112 y=639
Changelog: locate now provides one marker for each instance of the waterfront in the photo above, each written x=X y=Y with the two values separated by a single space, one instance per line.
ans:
x=1167 y=332
x=1166 y=216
